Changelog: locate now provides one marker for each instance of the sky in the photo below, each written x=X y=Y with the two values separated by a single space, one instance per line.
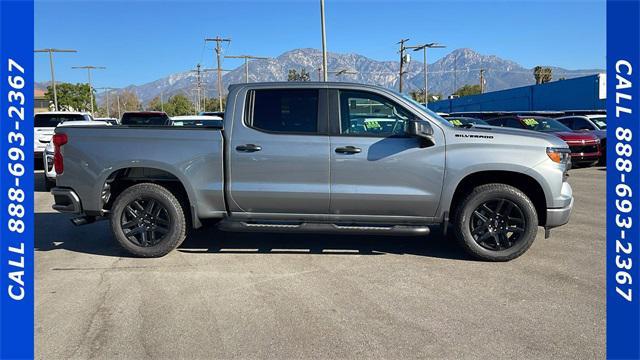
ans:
x=142 y=41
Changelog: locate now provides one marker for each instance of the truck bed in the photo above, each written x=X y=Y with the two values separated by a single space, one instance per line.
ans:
x=193 y=156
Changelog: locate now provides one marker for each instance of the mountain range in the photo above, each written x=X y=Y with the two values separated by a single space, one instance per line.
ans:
x=458 y=68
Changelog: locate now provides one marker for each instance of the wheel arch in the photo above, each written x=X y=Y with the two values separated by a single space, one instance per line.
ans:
x=524 y=182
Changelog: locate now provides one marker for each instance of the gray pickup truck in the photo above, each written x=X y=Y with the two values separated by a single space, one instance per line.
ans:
x=316 y=157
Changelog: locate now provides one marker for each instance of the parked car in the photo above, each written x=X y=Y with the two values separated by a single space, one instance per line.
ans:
x=45 y=122
x=283 y=163
x=112 y=121
x=145 y=118
x=593 y=123
x=212 y=113
x=196 y=120
x=585 y=147
x=463 y=121
x=48 y=153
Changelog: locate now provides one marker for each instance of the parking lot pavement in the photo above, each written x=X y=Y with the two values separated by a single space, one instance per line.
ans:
x=225 y=295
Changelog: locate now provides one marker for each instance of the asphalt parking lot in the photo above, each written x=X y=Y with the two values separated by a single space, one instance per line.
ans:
x=225 y=295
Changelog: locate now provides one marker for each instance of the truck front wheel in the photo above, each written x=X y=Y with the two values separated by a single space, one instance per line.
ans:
x=148 y=220
x=496 y=222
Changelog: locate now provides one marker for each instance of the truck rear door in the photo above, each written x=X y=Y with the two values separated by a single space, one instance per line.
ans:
x=376 y=169
x=278 y=153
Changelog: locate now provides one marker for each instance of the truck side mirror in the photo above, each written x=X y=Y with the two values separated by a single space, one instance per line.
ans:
x=421 y=129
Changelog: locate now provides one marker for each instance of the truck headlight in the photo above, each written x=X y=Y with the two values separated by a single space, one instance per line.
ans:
x=559 y=155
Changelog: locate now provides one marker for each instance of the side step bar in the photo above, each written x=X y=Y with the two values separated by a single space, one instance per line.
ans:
x=325 y=228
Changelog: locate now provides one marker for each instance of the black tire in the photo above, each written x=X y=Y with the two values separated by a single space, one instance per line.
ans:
x=142 y=231
x=492 y=242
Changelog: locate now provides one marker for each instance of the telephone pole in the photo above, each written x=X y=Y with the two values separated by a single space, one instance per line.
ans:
x=246 y=63
x=218 y=40
x=108 y=90
x=482 y=81
x=200 y=90
x=89 y=68
x=402 y=50
x=53 y=77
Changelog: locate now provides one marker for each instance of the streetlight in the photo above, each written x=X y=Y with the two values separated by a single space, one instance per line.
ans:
x=424 y=49
x=107 y=90
x=89 y=68
x=246 y=63
x=325 y=74
x=53 y=78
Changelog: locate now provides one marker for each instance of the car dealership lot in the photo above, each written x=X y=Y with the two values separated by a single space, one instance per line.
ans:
x=225 y=295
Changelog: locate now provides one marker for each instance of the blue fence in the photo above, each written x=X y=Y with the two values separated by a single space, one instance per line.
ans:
x=583 y=93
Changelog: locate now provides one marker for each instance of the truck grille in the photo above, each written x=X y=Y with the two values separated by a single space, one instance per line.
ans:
x=584 y=149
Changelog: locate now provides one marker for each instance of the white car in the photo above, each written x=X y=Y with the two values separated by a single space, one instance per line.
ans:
x=197 y=120
x=44 y=123
x=47 y=154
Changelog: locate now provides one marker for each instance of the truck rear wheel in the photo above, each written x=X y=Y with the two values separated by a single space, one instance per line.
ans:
x=148 y=220
x=496 y=222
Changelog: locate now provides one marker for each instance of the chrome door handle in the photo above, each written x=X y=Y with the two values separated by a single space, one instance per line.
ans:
x=248 y=148
x=348 y=150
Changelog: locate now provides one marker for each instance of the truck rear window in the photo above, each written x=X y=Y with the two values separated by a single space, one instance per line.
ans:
x=285 y=111
x=145 y=119
x=52 y=120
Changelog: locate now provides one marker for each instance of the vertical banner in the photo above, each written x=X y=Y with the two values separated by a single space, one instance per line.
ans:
x=623 y=182
x=16 y=179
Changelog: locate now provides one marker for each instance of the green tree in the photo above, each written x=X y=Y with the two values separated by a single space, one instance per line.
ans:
x=72 y=97
x=542 y=74
x=155 y=104
x=303 y=75
x=213 y=104
x=467 y=90
x=179 y=104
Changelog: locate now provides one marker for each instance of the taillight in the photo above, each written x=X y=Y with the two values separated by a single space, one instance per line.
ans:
x=58 y=141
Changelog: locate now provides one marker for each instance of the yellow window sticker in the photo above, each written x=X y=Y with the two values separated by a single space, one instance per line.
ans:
x=530 y=122
x=456 y=122
x=371 y=124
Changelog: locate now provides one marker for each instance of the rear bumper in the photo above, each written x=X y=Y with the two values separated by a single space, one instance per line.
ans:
x=559 y=216
x=66 y=200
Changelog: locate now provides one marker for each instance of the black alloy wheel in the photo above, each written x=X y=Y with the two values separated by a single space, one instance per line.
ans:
x=145 y=222
x=497 y=224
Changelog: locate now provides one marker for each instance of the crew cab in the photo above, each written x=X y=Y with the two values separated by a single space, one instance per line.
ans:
x=309 y=157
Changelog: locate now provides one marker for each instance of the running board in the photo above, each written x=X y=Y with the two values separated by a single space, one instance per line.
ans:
x=326 y=228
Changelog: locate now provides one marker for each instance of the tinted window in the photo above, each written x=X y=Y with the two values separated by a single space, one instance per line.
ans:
x=368 y=114
x=581 y=124
x=568 y=122
x=144 y=119
x=52 y=120
x=513 y=123
x=496 y=122
x=543 y=124
x=285 y=111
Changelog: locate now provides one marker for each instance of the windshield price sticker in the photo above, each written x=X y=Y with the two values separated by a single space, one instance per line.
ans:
x=530 y=122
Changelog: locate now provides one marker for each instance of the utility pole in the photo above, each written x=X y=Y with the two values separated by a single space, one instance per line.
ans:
x=218 y=40
x=107 y=90
x=402 y=49
x=200 y=90
x=325 y=74
x=53 y=77
x=89 y=68
x=481 y=81
x=246 y=63
x=119 y=112
x=425 y=65
x=162 y=100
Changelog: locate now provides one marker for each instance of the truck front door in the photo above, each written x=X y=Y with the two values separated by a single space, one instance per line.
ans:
x=279 y=153
x=376 y=169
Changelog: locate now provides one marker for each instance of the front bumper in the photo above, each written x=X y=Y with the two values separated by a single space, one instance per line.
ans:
x=559 y=216
x=66 y=200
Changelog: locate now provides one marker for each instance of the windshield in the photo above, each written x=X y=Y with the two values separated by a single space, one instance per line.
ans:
x=423 y=108
x=466 y=121
x=600 y=121
x=52 y=120
x=144 y=119
x=544 y=124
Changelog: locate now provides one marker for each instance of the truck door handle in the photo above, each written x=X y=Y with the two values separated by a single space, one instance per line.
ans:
x=248 y=148
x=348 y=150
